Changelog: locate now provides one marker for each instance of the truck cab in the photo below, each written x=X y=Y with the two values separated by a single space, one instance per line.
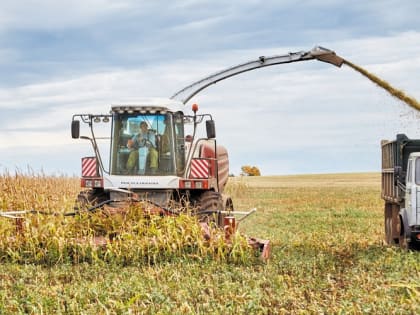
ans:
x=410 y=214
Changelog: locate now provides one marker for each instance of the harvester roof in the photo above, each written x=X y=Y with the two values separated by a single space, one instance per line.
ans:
x=149 y=105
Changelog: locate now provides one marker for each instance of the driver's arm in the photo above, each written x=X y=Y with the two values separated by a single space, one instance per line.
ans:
x=135 y=143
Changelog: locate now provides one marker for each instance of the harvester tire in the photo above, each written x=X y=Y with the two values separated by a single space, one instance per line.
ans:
x=89 y=198
x=228 y=206
x=210 y=200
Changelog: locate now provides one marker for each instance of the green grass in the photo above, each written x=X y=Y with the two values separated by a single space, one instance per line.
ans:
x=328 y=257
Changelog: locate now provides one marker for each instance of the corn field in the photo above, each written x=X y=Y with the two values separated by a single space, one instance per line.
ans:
x=328 y=254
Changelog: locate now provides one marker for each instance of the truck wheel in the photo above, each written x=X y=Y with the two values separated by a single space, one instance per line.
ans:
x=402 y=240
x=388 y=225
x=210 y=200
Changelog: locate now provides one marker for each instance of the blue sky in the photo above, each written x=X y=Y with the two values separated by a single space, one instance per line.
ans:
x=58 y=58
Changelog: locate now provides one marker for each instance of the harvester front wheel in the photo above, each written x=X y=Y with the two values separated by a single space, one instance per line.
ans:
x=210 y=201
x=89 y=198
x=228 y=206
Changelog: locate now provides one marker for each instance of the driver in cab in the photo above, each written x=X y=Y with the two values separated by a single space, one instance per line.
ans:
x=144 y=139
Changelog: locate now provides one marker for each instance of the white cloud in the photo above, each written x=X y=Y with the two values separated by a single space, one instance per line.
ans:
x=53 y=15
x=392 y=12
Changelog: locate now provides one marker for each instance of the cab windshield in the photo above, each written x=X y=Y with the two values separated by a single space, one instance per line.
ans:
x=147 y=144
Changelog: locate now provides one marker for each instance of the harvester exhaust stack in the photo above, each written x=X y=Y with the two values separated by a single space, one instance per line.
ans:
x=326 y=55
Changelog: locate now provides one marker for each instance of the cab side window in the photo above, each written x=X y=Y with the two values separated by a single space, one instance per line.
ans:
x=409 y=171
x=418 y=171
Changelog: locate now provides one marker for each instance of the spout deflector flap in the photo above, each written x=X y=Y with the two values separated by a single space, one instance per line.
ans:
x=326 y=55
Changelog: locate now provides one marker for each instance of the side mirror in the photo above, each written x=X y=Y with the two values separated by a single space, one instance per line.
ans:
x=75 y=129
x=211 y=129
x=397 y=171
x=397 y=174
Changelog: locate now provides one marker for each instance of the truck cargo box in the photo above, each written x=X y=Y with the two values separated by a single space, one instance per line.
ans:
x=395 y=155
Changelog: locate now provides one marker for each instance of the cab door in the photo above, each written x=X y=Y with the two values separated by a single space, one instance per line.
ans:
x=415 y=197
x=409 y=186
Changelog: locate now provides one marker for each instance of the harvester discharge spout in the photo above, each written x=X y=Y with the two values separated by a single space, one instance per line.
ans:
x=326 y=55
x=319 y=53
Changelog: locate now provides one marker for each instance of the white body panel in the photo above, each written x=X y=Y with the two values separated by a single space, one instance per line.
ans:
x=412 y=195
x=140 y=182
x=416 y=215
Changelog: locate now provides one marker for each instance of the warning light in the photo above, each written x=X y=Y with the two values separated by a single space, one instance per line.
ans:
x=194 y=107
